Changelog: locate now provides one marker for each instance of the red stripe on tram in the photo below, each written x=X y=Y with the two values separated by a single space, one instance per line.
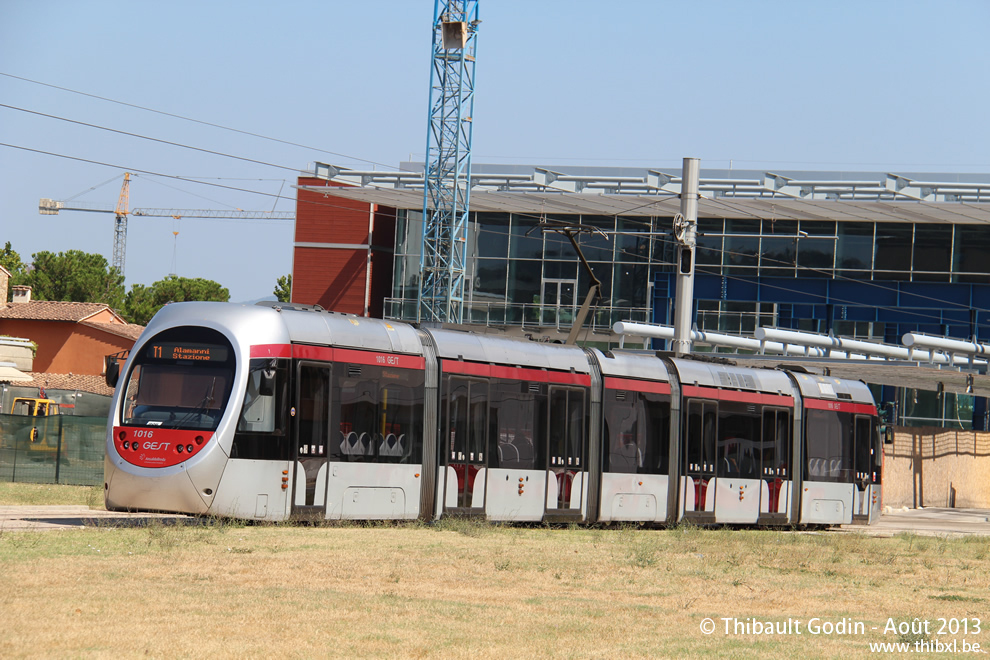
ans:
x=841 y=406
x=271 y=351
x=632 y=385
x=515 y=373
x=738 y=396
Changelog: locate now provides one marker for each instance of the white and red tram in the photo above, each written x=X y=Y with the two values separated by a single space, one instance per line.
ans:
x=273 y=412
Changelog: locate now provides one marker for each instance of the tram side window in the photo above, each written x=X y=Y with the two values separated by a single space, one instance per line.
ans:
x=829 y=445
x=378 y=414
x=702 y=424
x=513 y=425
x=399 y=438
x=776 y=449
x=637 y=430
x=262 y=427
x=739 y=440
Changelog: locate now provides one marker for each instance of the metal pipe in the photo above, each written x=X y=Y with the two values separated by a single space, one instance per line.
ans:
x=718 y=339
x=912 y=339
x=856 y=346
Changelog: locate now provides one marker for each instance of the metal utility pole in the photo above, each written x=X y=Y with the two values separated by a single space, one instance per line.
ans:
x=447 y=191
x=686 y=233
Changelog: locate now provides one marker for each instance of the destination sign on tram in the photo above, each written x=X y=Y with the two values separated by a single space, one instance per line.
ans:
x=187 y=351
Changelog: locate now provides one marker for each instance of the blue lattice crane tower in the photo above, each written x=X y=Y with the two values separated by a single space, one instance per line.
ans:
x=448 y=162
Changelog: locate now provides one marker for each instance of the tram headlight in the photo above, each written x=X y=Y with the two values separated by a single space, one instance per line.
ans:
x=189 y=449
x=126 y=444
x=179 y=448
x=199 y=439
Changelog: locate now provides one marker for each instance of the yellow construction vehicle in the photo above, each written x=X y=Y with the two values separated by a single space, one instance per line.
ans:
x=42 y=438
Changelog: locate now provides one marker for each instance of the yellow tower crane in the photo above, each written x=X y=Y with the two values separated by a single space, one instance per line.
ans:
x=121 y=212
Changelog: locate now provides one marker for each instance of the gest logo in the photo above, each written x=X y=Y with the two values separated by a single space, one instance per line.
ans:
x=156 y=446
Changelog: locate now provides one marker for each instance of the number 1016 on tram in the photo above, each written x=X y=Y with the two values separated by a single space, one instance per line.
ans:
x=270 y=413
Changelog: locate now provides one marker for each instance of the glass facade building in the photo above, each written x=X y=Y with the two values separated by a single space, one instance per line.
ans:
x=521 y=275
x=518 y=274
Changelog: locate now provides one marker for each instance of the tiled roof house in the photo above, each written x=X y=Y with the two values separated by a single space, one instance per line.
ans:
x=72 y=338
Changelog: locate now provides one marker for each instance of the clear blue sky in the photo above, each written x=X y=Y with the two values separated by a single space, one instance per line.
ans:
x=843 y=85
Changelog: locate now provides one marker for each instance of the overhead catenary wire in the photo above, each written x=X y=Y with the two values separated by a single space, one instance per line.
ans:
x=279 y=196
x=191 y=119
x=329 y=205
x=148 y=137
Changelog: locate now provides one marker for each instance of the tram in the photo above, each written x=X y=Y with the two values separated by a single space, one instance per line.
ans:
x=278 y=411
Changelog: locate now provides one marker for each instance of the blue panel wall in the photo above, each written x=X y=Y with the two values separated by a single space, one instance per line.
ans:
x=954 y=310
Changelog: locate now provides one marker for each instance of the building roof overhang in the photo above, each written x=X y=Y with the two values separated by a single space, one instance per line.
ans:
x=542 y=203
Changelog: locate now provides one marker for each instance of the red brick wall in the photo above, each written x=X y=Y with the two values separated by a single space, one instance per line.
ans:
x=337 y=278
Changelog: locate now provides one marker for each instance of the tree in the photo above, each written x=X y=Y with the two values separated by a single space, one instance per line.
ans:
x=74 y=276
x=283 y=288
x=143 y=302
x=10 y=260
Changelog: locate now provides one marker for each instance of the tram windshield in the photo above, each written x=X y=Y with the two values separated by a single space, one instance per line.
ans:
x=180 y=380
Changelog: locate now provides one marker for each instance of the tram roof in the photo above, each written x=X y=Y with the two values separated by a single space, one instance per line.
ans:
x=910 y=375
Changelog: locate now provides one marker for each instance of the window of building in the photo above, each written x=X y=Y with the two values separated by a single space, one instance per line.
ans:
x=526 y=238
x=631 y=285
x=489 y=279
x=708 y=252
x=556 y=245
x=742 y=254
x=560 y=270
x=933 y=249
x=594 y=246
x=815 y=256
x=895 y=242
x=972 y=245
x=818 y=227
x=491 y=235
x=632 y=239
x=742 y=226
x=778 y=256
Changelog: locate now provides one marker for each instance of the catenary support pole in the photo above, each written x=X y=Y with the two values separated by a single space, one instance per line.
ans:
x=686 y=233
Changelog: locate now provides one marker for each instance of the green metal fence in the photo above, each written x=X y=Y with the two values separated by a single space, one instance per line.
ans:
x=61 y=449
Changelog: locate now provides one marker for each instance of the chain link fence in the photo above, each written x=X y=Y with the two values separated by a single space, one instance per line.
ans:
x=59 y=449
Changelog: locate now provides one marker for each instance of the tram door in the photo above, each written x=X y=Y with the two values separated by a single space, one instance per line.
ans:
x=312 y=427
x=867 y=469
x=565 y=449
x=699 y=459
x=466 y=443
x=775 y=465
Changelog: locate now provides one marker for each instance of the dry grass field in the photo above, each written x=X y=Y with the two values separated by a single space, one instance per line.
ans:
x=467 y=589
